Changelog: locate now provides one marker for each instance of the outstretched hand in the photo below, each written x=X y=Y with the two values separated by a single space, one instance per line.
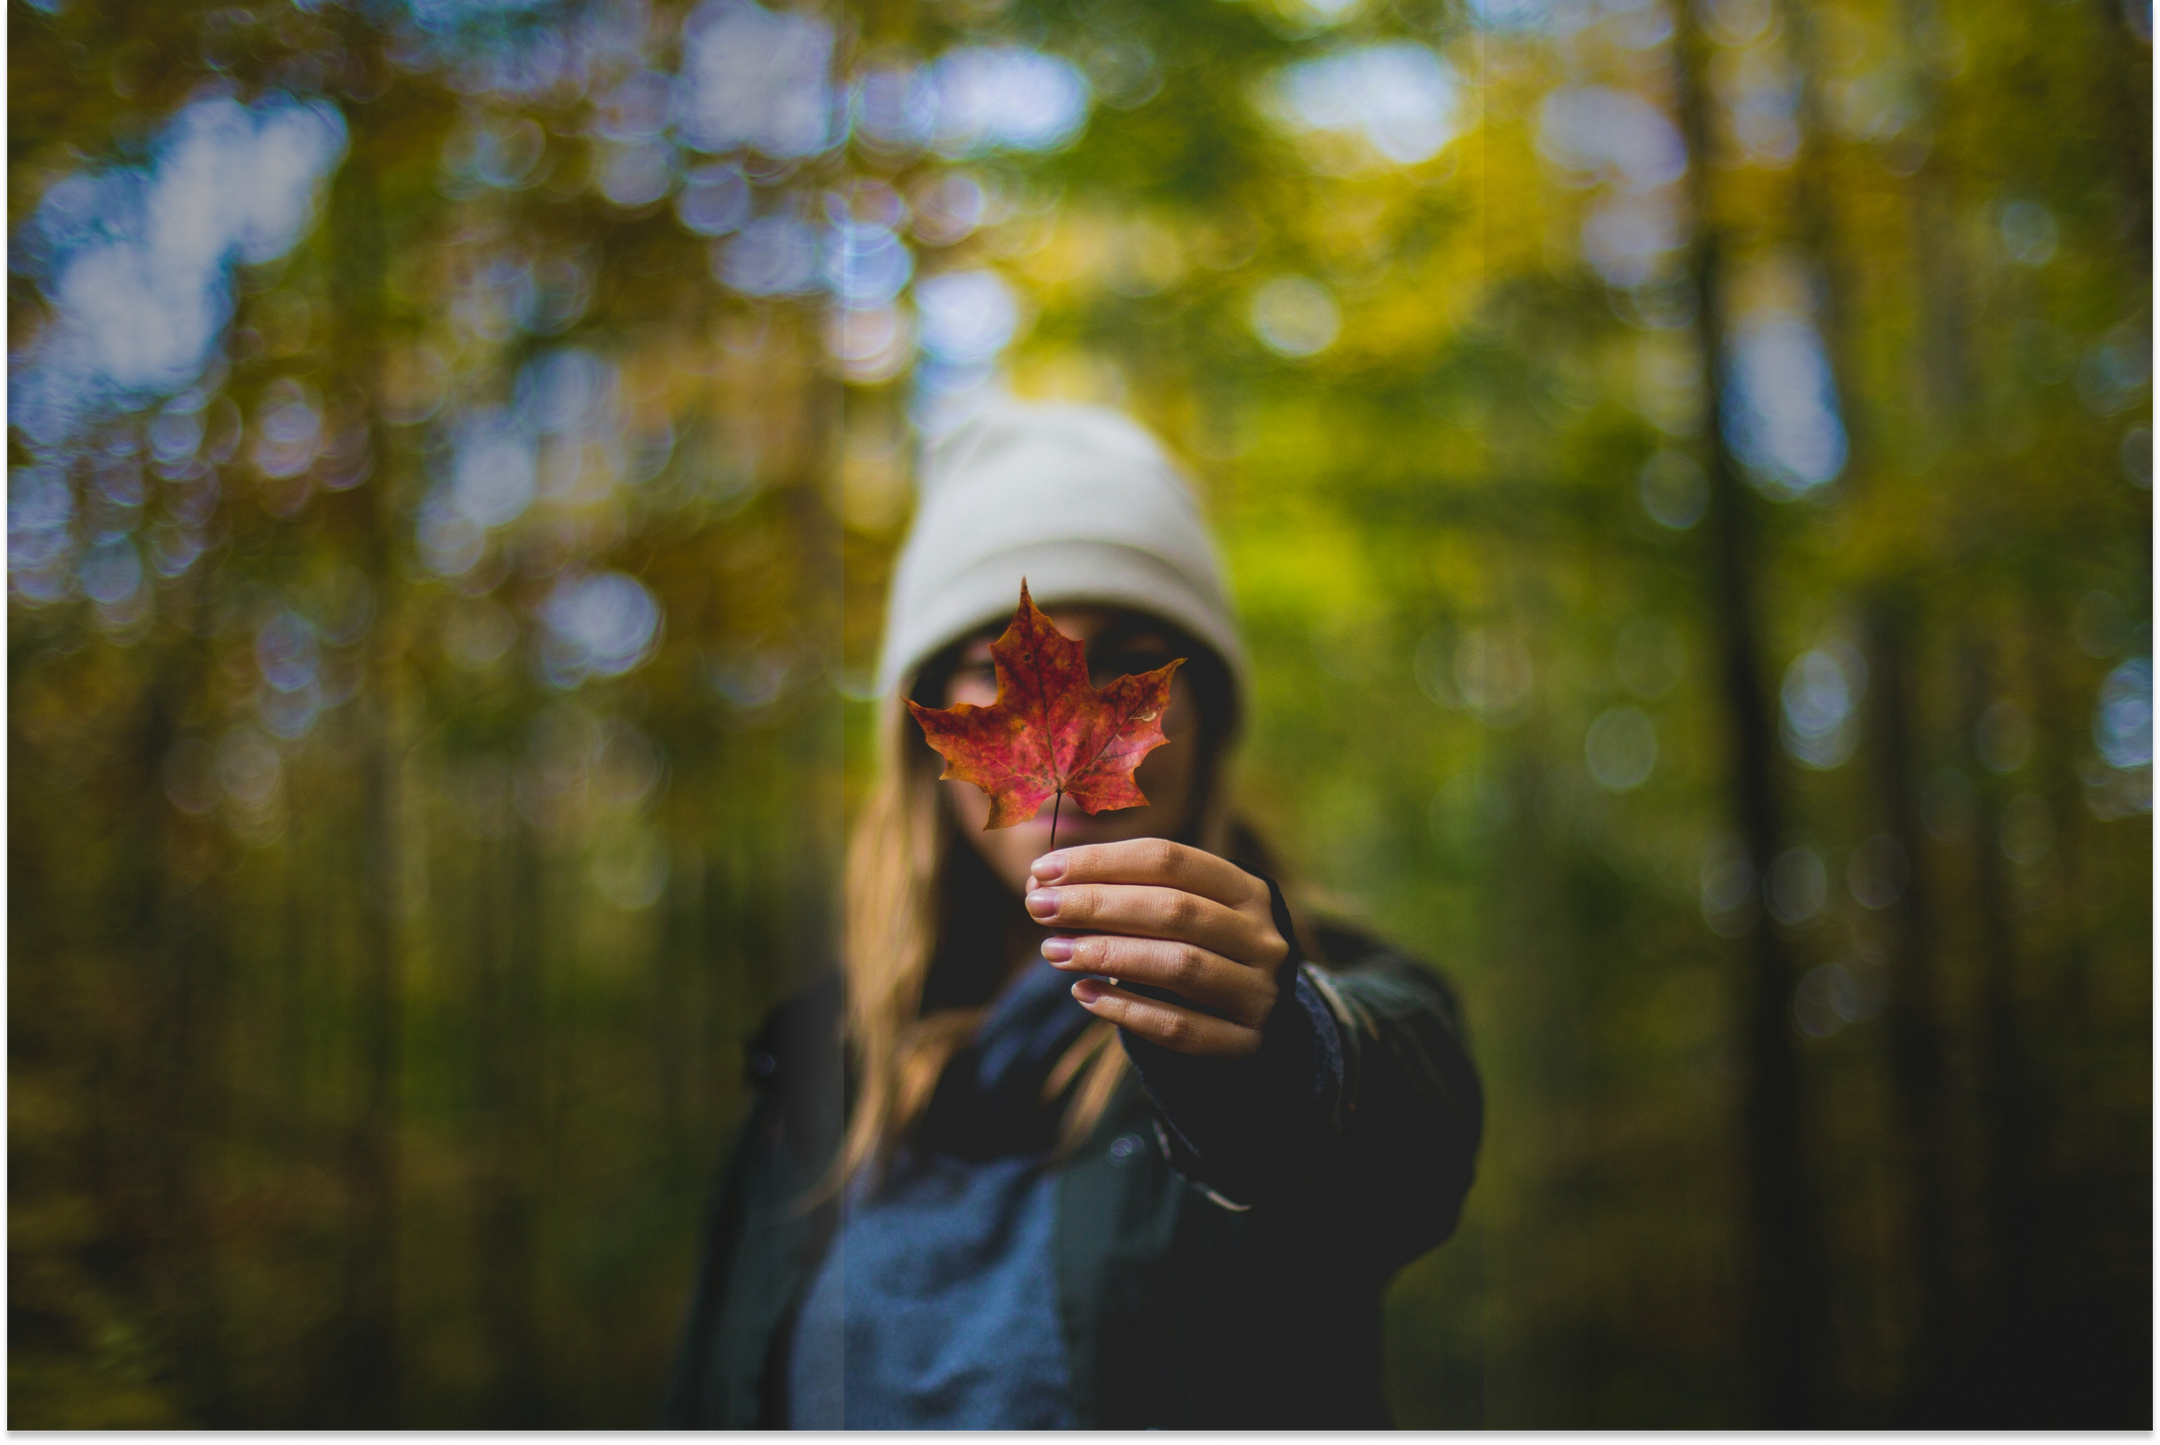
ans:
x=1153 y=912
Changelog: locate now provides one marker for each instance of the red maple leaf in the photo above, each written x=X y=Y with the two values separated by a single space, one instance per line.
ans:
x=1050 y=730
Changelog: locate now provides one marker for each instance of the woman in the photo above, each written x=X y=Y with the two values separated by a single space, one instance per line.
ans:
x=1090 y=1137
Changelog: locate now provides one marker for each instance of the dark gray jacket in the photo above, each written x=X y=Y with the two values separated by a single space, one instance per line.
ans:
x=1186 y=1306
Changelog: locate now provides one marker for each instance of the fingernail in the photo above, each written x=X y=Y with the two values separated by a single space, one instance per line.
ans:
x=1043 y=902
x=1049 y=868
x=1088 y=990
x=1058 y=950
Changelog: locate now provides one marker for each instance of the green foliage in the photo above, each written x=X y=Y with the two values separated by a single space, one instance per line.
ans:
x=372 y=1074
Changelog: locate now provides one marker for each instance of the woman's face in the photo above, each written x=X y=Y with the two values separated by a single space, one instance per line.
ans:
x=1117 y=642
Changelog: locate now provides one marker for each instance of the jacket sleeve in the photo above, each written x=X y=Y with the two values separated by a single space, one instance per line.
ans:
x=760 y=1239
x=697 y=1388
x=1361 y=1102
x=1413 y=1109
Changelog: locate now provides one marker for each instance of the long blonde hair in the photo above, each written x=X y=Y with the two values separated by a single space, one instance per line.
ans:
x=911 y=879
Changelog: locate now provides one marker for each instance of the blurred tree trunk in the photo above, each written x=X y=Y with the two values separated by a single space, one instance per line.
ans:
x=1913 y=1006
x=2011 y=1128
x=1941 y=1382
x=1815 y=213
x=182 y=1106
x=1913 y=1019
x=1944 y=360
x=508 y=909
x=2123 y=81
x=2073 y=1287
x=371 y=1289
x=1786 y=1299
x=370 y=1385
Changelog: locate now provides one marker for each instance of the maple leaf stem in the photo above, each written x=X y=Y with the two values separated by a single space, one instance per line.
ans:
x=1054 y=807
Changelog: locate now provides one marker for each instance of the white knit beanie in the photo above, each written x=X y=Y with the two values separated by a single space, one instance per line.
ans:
x=1078 y=500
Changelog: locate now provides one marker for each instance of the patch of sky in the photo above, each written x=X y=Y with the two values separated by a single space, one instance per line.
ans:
x=288 y=429
x=518 y=51
x=511 y=291
x=756 y=78
x=1508 y=15
x=714 y=200
x=451 y=16
x=1399 y=96
x=1593 y=133
x=40 y=509
x=508 y=156
x=1628 y=239
x=776 y=255
x=570 y=400
x=1782 y=416
x=173 y=549
x=893 y=104
x=492 y=477
x=1638 y=24
x=872 y=344
x=636 y=109
x=1762 y=97
x=949 y=208
x=562 y=431
x=632 y=176
x=285 y=650
x=1820 y=716
x=450 y=542
x=1327 y=12
x=971 y=101
x=601 y=624
x=175 y=432
x=137 y=261
x=1005 y=97
x=2122 y=724
x=966 y=319
x=112 y=573
x=866 y=265
x=289 y=715
x=567 y=390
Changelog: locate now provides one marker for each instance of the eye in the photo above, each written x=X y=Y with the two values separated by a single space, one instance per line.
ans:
x=972 y=680
x=1121 y=661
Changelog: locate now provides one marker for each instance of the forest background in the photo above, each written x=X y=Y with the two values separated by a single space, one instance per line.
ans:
x=1686 y=473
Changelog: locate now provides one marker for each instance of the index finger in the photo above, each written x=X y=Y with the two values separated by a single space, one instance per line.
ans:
x=1155 y=861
